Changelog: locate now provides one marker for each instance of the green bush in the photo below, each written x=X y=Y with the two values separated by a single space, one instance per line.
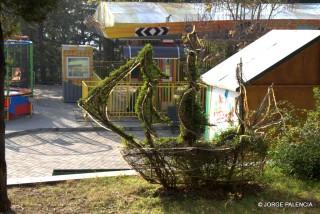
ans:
x=300 y=159
x=298 y=147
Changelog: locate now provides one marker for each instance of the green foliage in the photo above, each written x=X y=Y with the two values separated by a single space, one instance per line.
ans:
x=108 y=82
x=11 y=12
x=298 y=148
x=226 y=137
x=151 y=75
x=232 y=139
x=299 y=159
x=316 y=92
x=29 y=10
x=64 y=24
x=193 y=118
x=216 y=51
x=9 y=24
x=96 y=103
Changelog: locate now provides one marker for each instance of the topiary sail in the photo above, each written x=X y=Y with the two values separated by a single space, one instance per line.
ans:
x=96 y=107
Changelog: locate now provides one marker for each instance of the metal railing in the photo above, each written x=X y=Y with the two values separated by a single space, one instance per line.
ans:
x=123 y=97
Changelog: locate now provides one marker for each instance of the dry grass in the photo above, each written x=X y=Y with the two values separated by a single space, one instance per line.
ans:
x=134 y=195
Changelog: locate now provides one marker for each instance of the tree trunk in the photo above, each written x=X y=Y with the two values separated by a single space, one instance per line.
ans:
x=41 y=60
x=5 y=204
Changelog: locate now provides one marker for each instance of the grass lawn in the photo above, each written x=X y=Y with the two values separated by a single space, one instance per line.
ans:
x=134 y=195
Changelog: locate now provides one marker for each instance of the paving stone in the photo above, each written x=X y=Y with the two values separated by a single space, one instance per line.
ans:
x=37 y=155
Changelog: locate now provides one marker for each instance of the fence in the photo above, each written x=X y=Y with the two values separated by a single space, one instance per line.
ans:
x=123 y=97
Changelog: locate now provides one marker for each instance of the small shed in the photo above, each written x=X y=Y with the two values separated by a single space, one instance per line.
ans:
x=289 y=59
x=77 y=66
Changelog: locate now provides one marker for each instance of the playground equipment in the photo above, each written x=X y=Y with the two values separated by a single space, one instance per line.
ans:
x=19 y=81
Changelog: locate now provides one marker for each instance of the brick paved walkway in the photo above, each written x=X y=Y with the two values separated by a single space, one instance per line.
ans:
x=38 y=155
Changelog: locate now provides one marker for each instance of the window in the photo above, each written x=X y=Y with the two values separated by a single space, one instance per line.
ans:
x=78 y=67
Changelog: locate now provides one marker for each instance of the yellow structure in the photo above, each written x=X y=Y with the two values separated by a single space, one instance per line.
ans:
x=123 y=97
x=146 y=19
x=77 y=66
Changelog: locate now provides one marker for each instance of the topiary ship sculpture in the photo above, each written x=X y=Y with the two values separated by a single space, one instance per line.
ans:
x=185 y=159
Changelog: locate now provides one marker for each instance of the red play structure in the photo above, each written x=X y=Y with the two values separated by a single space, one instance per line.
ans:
x=19 y=78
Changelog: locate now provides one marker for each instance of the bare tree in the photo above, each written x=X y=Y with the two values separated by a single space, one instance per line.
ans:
x=251 y=17
x=247 y=20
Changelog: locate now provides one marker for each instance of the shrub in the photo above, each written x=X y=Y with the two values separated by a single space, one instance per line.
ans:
x=298 y=149
x=300 y=159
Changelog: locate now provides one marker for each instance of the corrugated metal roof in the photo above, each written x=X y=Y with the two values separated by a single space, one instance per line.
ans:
x=110 y=14
x=259 y=56
x=159 y=52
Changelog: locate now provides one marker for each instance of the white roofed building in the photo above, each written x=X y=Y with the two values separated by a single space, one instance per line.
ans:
x=289 y=59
